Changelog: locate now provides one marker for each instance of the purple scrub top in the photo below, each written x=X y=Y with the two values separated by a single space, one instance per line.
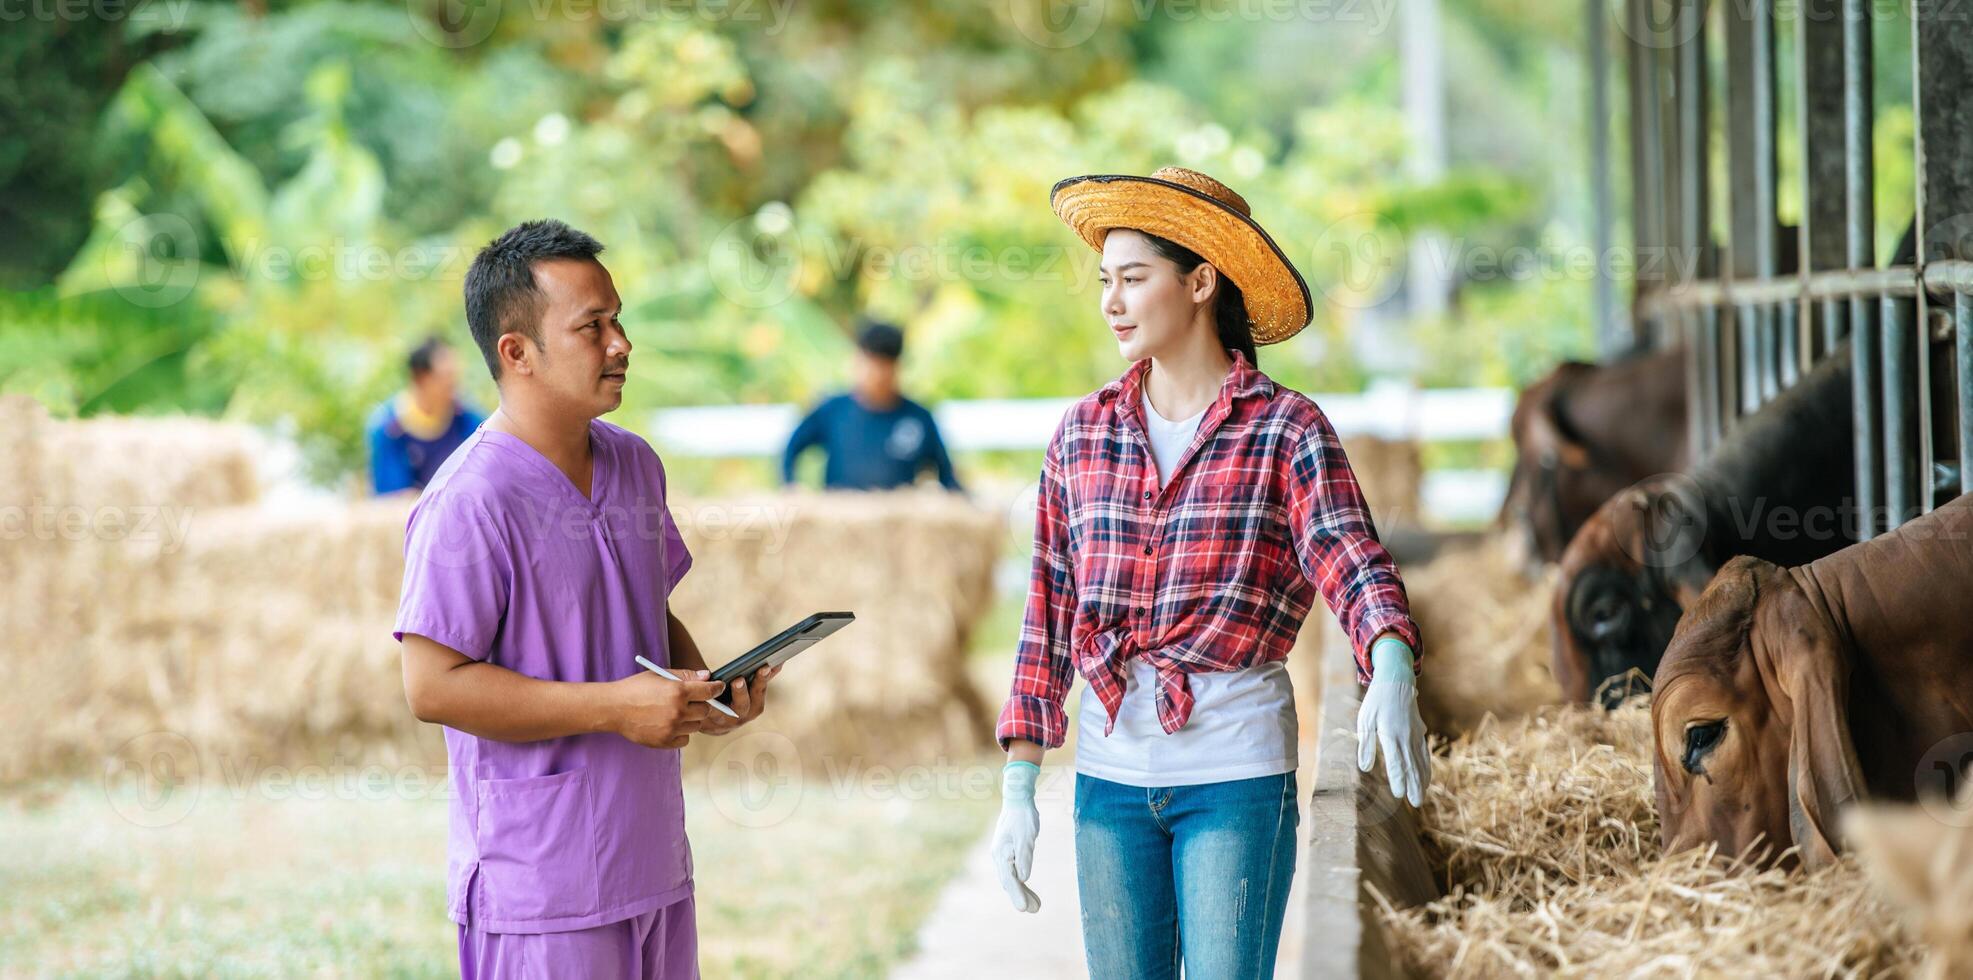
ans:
x=506 y=562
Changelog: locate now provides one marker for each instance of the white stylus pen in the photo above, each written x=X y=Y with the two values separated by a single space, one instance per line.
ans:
x=668 y=675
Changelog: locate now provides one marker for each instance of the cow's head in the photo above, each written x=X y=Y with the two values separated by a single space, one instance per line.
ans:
x=1624 y=580
x=1541 y=507
x=1750 y=721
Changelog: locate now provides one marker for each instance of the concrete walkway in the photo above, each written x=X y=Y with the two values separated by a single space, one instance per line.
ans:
x=974 y=932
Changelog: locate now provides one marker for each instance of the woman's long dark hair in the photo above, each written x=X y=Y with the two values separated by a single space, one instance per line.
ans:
x=1236 y=329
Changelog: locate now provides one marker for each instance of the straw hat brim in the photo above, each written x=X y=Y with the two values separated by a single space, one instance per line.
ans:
x=1277 y=297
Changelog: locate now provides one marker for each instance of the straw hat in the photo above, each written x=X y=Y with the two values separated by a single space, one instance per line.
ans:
x=1204 y=215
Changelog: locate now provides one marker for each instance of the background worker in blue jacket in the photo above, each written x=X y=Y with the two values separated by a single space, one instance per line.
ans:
x=874 y=437
x=415 y=431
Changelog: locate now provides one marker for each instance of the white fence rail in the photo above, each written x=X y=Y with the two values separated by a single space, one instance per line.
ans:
x=1389 y=410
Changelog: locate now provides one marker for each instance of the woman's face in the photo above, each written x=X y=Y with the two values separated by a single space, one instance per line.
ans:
x=1147 y=303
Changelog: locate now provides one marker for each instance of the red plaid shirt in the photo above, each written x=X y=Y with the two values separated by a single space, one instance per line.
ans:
x=1213 y=571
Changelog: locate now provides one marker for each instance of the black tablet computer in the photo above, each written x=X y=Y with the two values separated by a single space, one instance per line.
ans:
x=782 y=647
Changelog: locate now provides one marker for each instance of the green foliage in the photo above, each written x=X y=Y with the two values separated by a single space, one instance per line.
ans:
x=299 y=192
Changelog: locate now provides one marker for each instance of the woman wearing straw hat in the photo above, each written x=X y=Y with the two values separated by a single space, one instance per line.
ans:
x=1188 y=514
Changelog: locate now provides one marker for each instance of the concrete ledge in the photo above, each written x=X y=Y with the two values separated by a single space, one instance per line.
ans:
x=1358 y=836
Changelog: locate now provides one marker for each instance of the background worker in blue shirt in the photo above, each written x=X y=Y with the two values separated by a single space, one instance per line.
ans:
x=875 y=438
x=415 y=431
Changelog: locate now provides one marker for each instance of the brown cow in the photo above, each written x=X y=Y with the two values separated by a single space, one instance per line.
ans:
x=1787 y=693
x=1584 y=432
x=1779 y=487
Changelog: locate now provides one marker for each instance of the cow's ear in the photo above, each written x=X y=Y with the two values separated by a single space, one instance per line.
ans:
x=1823 y=774
x=1551 y=434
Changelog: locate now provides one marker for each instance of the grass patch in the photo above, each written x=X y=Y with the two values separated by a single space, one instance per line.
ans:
x=257 y=883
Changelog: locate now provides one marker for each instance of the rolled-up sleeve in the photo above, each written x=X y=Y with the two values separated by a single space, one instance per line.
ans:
x=1042 y=667
x=1336 y=545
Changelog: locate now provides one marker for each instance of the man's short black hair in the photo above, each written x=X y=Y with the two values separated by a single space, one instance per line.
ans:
x=501 y=296
x=880 y=339
x=420 y=361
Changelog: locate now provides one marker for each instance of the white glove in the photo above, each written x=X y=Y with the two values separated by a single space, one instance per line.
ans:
x=1389 y=718
x=1014 y=834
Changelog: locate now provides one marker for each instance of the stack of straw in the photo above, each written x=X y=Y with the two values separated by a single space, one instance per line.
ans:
x=916 y=566
x=1546 y=835
x=1485 y=633
x=264 y=638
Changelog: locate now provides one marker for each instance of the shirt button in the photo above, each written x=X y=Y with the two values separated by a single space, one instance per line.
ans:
x=1147 y=495
x=1147 y=549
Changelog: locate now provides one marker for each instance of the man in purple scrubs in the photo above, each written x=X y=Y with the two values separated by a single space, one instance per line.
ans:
x=538 y=564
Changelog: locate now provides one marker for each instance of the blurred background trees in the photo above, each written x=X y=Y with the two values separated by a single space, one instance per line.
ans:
x=254 y=209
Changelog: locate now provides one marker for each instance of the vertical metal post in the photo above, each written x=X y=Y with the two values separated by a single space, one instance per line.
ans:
x=1693 y=336
x=1820 y=50
x=1751 y=167
x=1962 y=329
x=1603 y=317
x=1942 y=63
x=1861 y=252
x=1709 y=382
x=1789 y=352
x=1835 y=326
x=1690 y=68
x=1647 y=173
x=1899 y=494
x=1747 y=355
x=1766 y=178
x=1728 y=346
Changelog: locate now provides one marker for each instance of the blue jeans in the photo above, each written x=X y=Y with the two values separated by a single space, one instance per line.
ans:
x=1192 y=875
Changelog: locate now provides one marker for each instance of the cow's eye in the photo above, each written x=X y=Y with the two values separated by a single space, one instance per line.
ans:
x=1700 y=740
x=1608 y=615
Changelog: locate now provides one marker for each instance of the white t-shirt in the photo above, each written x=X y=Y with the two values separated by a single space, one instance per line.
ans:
x=1242 y=723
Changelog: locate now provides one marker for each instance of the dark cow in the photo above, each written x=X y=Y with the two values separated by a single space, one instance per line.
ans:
x=1584 y=432
x=1789 y=692
x=1779 y=487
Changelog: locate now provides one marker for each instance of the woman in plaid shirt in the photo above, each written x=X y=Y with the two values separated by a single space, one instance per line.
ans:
x=1174 y=562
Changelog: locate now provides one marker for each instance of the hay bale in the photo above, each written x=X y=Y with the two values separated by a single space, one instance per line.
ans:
x=1546 y=837
x=264 y=636
x=915 y=565
x=261 y=636
x=1391 y=473
x=1484 y=627
x=131 y=461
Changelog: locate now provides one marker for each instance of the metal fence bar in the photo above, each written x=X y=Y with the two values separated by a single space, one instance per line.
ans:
x=1962 y=330
x=1713 y=391
x=1922 y=475
x=1819 y=51
x=1896 y=392
x=1834 y=325
x=1789 y=350
x=1942 y=64
x=1695 y=383
x=1861 y=251
x=1689 y=66
x=1646 y=140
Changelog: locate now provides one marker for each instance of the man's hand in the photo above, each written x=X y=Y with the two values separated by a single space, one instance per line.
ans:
x=661 y=714
x=749 y=699
x=1389 y=719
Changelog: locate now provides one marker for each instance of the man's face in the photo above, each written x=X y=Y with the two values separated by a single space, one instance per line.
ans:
x=873 y=375
x=584 y=357
x=440 y=383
